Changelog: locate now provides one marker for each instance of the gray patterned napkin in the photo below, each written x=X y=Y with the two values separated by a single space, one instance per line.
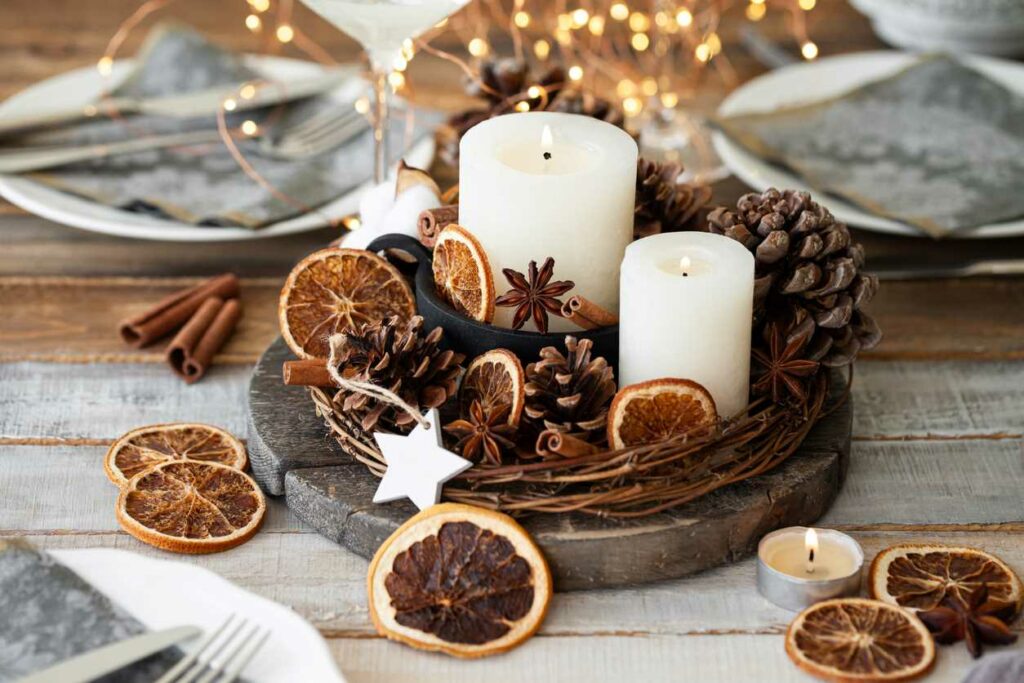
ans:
x=49 y=614
x=938 y=146
x=205 y=185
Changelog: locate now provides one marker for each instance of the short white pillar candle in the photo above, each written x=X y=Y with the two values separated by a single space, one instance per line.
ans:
x=542 y=184
x=686 y=307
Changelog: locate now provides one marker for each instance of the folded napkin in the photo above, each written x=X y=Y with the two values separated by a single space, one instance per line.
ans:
x=50 y=614
x=204 y=185
x=938 y=145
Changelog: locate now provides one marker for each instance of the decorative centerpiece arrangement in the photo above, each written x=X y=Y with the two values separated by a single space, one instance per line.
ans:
x=722 y=348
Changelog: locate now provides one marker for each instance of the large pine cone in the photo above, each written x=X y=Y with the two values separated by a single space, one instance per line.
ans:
x=399 y=357
x=808 y=272
x=662 y=203
x=569 y=393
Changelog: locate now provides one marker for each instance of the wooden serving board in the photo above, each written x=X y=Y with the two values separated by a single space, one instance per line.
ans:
x=292 y=454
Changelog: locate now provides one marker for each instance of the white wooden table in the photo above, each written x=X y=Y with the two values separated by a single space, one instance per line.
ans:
x=937 y=456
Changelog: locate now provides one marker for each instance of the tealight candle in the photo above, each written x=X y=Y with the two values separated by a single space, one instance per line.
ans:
x=798 y=566
x=686 y=307
x=542 y=184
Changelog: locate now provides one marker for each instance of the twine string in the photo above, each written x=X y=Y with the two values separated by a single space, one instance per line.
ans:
x=366 y=388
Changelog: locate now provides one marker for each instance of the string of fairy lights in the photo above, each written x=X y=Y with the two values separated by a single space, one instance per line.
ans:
x=653 y=53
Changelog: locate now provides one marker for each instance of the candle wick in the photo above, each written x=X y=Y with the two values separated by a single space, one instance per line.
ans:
x=686 y=275
x=810 y=561
x=810 y=555
x=547 y=156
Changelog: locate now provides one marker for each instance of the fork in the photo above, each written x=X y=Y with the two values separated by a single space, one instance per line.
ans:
x=231 y=656
x=318 y=133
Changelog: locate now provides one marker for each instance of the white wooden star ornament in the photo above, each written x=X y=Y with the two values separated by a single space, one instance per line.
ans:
x=418 y=465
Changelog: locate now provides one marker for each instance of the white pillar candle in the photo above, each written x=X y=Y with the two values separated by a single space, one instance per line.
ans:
x=687 y=300
x=541 y=184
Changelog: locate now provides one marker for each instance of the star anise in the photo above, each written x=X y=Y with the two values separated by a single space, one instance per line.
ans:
x=976 y=620
x=486 y=434
x=537 y=296
x=782 y=370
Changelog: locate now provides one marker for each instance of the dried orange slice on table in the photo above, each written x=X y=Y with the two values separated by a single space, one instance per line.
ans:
x=335 y=289
x=921 y=577
x=144 y=447
x=495 y=378
x=852 y=639
x=653 y=411
x=461 y=580
x=462 y=274
x=191 y=507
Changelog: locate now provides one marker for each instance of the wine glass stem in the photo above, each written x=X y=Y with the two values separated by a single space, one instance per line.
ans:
x=380 y=125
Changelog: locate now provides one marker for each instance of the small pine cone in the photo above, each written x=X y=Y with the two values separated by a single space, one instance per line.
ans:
x=588 y=104
x=399 y=357
x=808 y=272
x=662 y=203
x=569 y=393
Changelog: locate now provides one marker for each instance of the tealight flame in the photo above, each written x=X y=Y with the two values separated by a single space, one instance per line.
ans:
x=546 y=139
x=811 y=545
x=684 y=265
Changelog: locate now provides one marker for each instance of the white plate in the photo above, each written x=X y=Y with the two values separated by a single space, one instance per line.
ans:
x=164 y=593
x=84 y=85
x=812 y=81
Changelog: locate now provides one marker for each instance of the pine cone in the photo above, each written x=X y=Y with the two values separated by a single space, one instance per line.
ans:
x=399 y=357
x=503 y=84
x=662 y=203
x=808 y=272
x=569 y=393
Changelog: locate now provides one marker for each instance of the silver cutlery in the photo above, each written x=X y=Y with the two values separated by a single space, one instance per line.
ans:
x=186 y=105
x=101 y=661
x=970 y=269
x=225 y=657
x=318 y=133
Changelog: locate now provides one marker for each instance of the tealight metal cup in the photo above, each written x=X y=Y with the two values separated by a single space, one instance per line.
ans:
x=798 y=593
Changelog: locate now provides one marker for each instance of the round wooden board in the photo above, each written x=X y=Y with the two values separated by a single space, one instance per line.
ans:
x=292 y=454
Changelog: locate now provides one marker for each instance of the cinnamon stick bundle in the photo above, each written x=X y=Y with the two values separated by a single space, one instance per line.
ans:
x=554 y=443
x=307 y=373
x=588 y=315
x=172 y=312
x=193 y=348
x=433 y=221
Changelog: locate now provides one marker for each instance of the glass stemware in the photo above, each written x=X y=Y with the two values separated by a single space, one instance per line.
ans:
x=381 y=27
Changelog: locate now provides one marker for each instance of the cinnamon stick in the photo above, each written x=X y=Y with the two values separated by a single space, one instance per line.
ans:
x=588 y=315
x=307 y=373
x=552 y=442
x=172 y=312
x=193 y=348
x=433 y=221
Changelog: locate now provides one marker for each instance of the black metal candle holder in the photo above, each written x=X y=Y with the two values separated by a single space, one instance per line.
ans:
x=474 y=338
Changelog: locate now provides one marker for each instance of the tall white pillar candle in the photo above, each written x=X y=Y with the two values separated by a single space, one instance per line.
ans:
x=686 y=306
x=541 y=184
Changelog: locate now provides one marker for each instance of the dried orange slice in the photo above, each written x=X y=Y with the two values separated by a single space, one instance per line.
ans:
x=495 y=378
x=658 y=409
x=462 y=274
x=335 y=289
x=141 y=448
x=461 y=580
x=853 y=639
x=191 y=507
x=921 y=576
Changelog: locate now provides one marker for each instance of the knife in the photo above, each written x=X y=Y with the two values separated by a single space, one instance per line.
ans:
x=184 y=105
x=103 y=660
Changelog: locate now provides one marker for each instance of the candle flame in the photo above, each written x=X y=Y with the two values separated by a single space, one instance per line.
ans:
x=684 y=263
x=546 y=140
x=811 y=541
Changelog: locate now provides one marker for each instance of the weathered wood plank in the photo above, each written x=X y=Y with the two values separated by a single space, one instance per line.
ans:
x=98 y=403
x=69 y=319
x=943 y=399
x=932 y=482
x=75 y=319
x=326 y=585
x=892 y=400
x=723 y=658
